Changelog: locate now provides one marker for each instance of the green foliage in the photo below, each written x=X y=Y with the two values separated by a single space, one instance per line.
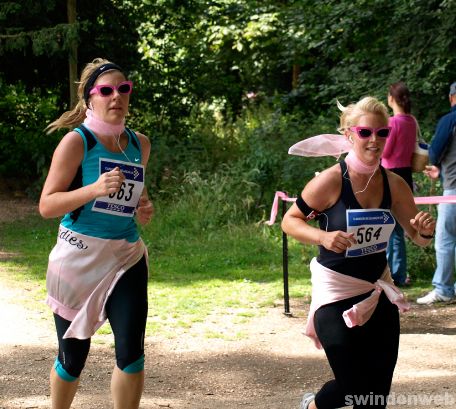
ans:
x=267 y=133
x=25 y=25
x=24 y=148
x=35 y=39
x=213 y=91
x=224 y=198
x=213 y=79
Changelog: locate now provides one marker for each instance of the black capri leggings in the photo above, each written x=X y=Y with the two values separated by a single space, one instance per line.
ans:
x=362 y=358
x=126 y=310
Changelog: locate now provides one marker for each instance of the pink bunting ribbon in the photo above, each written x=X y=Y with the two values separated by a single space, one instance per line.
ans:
x=421 y=200
x=275 y=205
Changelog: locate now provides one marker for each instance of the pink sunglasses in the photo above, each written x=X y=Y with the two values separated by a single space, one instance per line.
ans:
x=366 y=131
x=123 y=88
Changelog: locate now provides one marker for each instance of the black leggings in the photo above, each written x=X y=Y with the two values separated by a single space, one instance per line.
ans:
x=362 y=358
x=126 y=310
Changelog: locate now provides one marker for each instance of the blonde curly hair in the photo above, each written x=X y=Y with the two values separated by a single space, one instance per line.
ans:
x=352 y=113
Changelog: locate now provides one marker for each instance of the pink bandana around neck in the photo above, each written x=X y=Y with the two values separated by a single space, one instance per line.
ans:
x=101 y=127
x=359 y=166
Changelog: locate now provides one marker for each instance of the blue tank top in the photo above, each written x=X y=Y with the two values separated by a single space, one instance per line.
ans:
x=369 y=267
x=92 y=223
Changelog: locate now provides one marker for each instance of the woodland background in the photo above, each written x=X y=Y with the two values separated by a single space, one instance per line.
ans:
x=222 y=88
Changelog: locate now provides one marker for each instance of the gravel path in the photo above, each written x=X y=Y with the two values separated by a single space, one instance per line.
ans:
x=269 y=368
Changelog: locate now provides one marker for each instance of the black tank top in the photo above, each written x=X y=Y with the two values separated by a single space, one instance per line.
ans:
x=369 y=267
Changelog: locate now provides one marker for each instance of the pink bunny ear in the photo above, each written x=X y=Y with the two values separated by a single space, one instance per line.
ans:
x=321 y=145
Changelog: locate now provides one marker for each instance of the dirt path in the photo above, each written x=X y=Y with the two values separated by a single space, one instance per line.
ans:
x=268 y=369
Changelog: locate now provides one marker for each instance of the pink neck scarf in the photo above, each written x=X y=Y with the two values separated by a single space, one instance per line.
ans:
x=101 y=127
x=359 y=166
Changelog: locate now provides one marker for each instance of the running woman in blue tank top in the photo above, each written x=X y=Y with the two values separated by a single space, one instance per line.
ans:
x=98 y=268
x=357 y=204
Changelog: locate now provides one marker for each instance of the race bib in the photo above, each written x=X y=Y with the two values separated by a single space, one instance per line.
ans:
x=372 y=229
x=124 y=202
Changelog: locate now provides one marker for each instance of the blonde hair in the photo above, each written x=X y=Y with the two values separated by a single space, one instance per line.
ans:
x=352 y=113
x=69 y=119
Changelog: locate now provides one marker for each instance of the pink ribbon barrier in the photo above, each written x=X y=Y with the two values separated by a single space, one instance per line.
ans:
x=275 y=205
x=435 y=199
x=420 y=200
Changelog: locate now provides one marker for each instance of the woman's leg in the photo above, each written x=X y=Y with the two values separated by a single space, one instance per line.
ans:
x=381 y=333
x=127 y=313
x=126 y=388
x=64 y=377
x=362 y=358
x=62 y=392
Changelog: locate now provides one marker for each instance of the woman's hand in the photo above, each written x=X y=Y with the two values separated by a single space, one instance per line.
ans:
x=432 y=172
x=423 y=223
x=109 y=182
x=337 y=241
x=144 y=211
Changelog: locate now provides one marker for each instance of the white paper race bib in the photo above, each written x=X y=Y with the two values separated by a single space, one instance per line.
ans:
x=372 y=229
x=124 y=202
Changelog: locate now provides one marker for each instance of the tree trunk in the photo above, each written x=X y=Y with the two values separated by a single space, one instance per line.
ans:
x=295 y=77
x=72 y=55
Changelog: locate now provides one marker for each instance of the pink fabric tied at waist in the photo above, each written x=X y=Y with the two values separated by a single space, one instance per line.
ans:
x=82 y=273
x=329 y=286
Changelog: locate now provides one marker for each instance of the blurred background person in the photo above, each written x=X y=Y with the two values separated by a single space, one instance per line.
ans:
x=442 y=156
x=397 y=157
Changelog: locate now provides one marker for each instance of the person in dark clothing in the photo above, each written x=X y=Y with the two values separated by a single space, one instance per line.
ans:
x=357 y=203
x=442 y=156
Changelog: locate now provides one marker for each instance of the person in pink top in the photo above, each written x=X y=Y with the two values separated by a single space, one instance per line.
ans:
x=397 y=157
x=354 y=313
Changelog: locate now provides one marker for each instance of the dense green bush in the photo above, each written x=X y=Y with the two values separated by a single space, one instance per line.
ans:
x=24 y=147
x=229 y=160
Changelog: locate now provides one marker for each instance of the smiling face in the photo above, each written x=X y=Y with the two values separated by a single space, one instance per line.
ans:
x=112 y=108
x=368 y=150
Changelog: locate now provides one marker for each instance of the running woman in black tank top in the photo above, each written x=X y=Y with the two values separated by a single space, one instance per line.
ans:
x=355 y=206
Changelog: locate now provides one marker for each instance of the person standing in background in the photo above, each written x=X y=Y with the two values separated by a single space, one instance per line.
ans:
x=442 y=156
x=397 y=157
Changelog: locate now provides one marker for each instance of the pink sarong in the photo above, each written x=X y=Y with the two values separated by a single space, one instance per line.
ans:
x=82 y=272
x=329 y=286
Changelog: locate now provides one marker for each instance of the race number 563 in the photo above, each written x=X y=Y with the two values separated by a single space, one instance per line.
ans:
x=124 y=201
x=125 y=192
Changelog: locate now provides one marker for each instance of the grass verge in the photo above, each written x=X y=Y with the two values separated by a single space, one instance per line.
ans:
x=228 y=274
x=199 y=273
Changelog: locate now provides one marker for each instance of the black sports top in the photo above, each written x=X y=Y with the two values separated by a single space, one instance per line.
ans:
x=369 y=267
